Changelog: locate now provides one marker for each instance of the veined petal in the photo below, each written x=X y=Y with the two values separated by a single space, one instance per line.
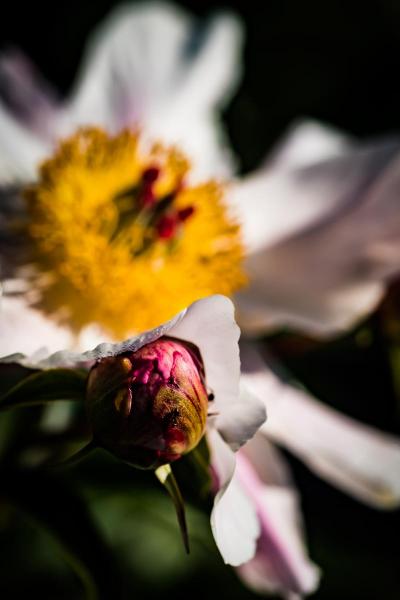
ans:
x=280 y=564
x=358 y=459
x=20 y=151
x=233 y=519
x=328 y=243
x=151 y=66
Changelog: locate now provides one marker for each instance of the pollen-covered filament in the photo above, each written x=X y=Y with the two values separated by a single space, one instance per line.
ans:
x=121 y=240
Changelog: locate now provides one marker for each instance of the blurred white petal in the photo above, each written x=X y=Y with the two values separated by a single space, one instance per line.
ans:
x=308 y=142
x=151 y=66
x=281 y=564
x=72 y=356
x=233 y=519
x=323 y=240
x=20 y=151
x=29 y=98
x=24 y=329
x=358 y=459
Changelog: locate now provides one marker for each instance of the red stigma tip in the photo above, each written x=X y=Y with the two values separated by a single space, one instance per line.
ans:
x=185 y=213
x=166 y=227
x=150 y=175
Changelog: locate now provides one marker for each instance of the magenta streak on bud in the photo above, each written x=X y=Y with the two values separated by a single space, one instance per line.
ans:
x=149 y=407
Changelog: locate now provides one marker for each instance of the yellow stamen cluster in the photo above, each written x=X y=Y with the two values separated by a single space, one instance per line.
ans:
x=98 y=254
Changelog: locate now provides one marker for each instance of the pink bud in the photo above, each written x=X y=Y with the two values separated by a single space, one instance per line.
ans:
x=149 y=407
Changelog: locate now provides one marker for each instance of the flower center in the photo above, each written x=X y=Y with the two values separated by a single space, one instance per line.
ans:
x=121 y=240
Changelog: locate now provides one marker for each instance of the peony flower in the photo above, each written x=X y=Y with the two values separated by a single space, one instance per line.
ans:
x=313 y=231
x=167 y=414
x=318 y=221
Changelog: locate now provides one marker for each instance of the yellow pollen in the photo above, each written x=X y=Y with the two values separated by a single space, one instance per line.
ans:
x=121 y=240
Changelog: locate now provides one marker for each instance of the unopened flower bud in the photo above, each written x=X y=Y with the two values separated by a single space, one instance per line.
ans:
x=149 y=407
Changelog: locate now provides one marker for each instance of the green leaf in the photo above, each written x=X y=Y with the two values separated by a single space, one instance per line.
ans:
x=141 y=526
x=46 y=386
x=63 y=514
x=11 y=374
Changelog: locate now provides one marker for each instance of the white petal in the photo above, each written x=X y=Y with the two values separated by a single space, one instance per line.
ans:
x=69 y=358
x=320 y=313
x=239 y=421
x=28 y=96
x=280 y=193
x=150 y=65
x=324 y=240
x=210 y=324
x=308 y=142
x=233 y=519
x=360 y=460
x=20 y=151
x=281 y=564
x=24 y=329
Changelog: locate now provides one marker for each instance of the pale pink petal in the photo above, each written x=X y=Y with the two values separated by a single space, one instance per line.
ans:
x=358 y=459
x=280 y=564
x=151 y=65
x=233 y=519
x=323 y=240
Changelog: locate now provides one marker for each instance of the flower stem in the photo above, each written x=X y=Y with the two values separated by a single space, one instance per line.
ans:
x=166 y=477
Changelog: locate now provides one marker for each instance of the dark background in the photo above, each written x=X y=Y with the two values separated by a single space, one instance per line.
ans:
x=339 y=62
